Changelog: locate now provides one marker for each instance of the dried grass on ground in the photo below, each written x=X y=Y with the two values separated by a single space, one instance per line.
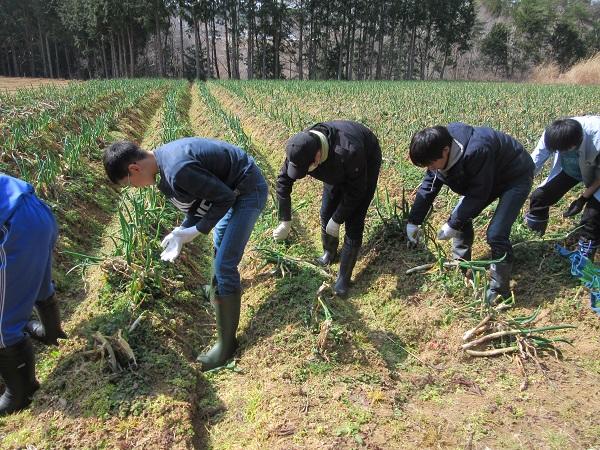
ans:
x=11 y=84
x=584 y=72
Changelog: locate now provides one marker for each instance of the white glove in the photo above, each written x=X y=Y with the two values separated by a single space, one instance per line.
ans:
x=447 y=232
x=186 y=234
x=172 y=245
x=282 y=231
x=332 y=228
x=412 y=234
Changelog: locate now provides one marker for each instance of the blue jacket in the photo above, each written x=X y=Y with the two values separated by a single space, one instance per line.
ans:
x=11 y=192
x=203 y=177
x=491 y=162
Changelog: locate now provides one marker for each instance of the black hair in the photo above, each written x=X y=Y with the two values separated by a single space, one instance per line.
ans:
x=117 y=158
x=426 y=146
x=563 y=134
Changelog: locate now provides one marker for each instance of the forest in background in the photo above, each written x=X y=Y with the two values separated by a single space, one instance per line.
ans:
x=294 y=39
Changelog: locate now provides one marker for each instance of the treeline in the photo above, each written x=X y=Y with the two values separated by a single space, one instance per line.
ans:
x=530 y=32
x=304 y=39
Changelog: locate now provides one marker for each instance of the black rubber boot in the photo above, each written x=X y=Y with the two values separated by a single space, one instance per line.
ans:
x=536 y=224
x=49 y=329
x=348 y=257
x=330 y=246
x=17 y=368
x=587 y=248
x=227 y=313
x=499 y=286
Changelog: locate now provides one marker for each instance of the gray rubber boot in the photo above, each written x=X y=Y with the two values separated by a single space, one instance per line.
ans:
x=330 y=246
x=48 y=329
x=499 y=286
x=536 y=224
x=462 y=244
x=17 y=368
x=348 y=257
x=227 y=314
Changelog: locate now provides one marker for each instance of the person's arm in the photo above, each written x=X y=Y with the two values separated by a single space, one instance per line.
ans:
x=284 y=190
x=591 y=190
x=540 y=155
x=426 y=194
x=203 y=185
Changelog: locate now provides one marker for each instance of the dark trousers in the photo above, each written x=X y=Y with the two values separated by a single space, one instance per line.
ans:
x=510 y=202
x=551 y=192
x=332 y=196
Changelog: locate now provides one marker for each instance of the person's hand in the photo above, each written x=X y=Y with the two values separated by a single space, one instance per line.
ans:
x=332 y=228
x=413 y=233
x=172 y=245
x=186 y=234
x=282 y=231
x=447 y=232
x=576 y=207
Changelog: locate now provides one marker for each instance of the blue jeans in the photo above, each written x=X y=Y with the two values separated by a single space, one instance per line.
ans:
x=231 y=234
x=511 y=200
x=26 y=243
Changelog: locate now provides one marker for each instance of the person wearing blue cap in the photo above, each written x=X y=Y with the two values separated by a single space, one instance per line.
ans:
x=28 y=233
x=346 y=156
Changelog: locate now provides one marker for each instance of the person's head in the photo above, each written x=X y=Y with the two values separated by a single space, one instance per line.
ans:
x=127 y=164
x=303 y=154
x=563 y=134
x=430 y=147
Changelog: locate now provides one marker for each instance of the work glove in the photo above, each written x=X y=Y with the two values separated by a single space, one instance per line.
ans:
x=186 y=234
x=412 y=234
x=333 y=228
x=282 y=231
x=172 y=245
x=447 y=232
x=576 y=207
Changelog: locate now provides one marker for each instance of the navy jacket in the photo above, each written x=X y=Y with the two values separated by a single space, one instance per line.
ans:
x=490 y=163
x=352 y=147
x=202 y=177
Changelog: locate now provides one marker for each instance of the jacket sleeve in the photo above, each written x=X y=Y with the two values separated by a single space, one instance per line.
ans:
x=354 y=186
x=284 y=191
x=480 y=169
x=189 y=221
x=426 y=194
x=203 y=185
x=540 y=155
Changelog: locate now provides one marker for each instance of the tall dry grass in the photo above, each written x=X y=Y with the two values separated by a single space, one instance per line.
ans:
x=586 y=71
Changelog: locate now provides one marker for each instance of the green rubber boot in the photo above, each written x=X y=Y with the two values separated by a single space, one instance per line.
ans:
x=227 y=313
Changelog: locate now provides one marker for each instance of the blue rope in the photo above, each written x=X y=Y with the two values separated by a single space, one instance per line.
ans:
x=586 y=271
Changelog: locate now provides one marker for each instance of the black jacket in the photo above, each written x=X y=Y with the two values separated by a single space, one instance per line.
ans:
x=491 y=162
x=352 y=147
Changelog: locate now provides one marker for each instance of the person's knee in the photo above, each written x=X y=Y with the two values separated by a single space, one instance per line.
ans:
x=228 y=281
x=539 y=198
